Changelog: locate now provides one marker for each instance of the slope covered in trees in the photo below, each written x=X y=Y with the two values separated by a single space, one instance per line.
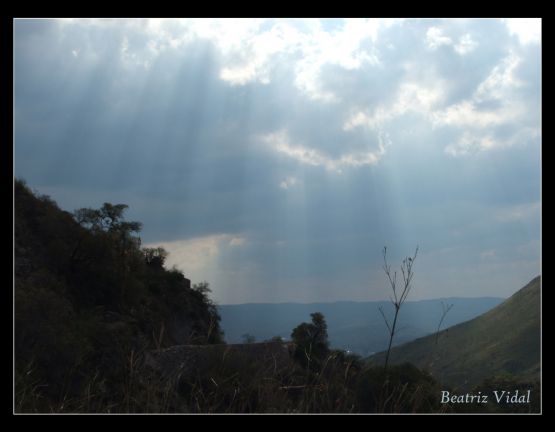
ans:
x=88 y=300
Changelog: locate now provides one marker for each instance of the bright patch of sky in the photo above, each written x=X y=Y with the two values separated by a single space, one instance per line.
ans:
x=275 y=158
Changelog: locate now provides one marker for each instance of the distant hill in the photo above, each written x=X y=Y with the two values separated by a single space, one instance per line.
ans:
x=353 y=326
x=505 y=339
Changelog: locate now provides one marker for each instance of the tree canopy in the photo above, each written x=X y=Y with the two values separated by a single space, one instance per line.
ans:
x=311 y=341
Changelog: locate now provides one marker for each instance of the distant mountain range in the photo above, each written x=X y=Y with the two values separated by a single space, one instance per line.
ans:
x=353 y=326
x=504 y=340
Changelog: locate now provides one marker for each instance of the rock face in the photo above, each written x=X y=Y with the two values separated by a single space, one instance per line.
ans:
x=184 y=361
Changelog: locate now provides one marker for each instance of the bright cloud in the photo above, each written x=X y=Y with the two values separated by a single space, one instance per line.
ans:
x=499 y=88
x=528 y=30
x=501 y=79
x=410 y=97
x=472 y=116
x=254 y=57
x=474 y=142
x=467 y=114
x=197 y=256
x=252 y=48
x=435 y=38
x=281 y=143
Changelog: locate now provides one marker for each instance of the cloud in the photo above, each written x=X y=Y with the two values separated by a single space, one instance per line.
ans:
x=253 y=59
x=252 y=48
x=471 y=143
x=280 y=142
x=342 y=48
x=276 y=157
x=468 y=114
x=480 y=121
x=308 y=47
x=435 y=38
x=197 y=256
x=410 y=97
x=528 y=30
x=495 y=104
x=500 y=79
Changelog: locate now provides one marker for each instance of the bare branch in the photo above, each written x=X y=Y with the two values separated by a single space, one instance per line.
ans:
x=406 y=269
x=398 y=299
x=445 y=310
x=385 y=319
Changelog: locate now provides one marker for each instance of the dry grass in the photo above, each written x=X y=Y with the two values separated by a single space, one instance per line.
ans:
x=257 y=378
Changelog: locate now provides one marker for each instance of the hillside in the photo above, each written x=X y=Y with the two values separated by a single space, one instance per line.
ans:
x=354 y=326
x=504 y=340
x=88 y=300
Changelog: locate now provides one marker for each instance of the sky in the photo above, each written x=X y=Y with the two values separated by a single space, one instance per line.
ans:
x=275 y=158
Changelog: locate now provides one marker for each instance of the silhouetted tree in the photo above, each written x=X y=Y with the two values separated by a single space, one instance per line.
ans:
x=213 y=334
x=155 y=257
x=108 y=218
x=311 y=341
x=109 y=225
